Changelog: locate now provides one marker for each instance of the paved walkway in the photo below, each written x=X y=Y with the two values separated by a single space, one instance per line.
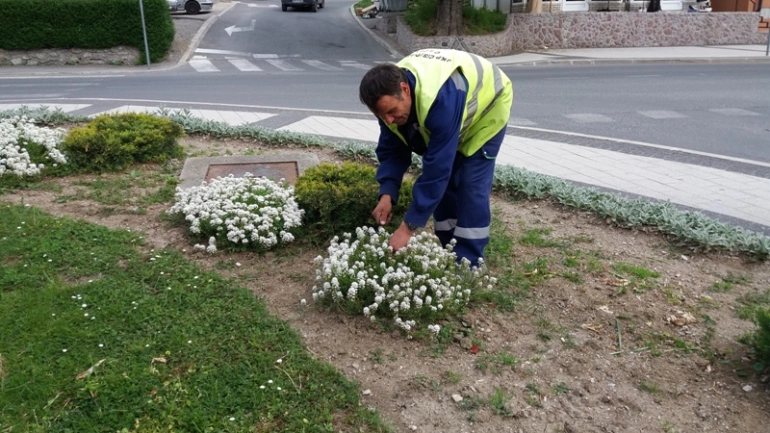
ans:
x=730 y=195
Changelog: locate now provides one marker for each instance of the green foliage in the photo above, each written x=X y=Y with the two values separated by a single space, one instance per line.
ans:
x=639 y=272
x=537 y=237
x=86 y=24
x=760 y=339
x=340 y=198
x=686 y=228
x=114 y=142
x=162 y=344
x=44 y=115
x=420 y=16
x=482 y=21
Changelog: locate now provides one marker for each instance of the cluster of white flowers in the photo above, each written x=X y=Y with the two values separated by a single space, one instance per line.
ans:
x=422 y=281
x=16 y=133
x=242 y=210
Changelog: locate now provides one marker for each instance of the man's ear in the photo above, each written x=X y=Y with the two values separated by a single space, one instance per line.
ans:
x=405 y=89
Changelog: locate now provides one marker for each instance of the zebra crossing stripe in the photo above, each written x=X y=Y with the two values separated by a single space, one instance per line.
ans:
x=283 y=65
x=353 y=64
x=321 y=65
x=589 y=118
x=661 y=114
x=733 y=112
x=202 y=64
x=244 y=65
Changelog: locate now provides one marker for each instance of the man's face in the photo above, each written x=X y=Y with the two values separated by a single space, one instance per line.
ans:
x=394 y=109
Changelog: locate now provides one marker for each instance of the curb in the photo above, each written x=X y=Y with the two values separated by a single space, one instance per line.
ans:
x=196 y=40
x=590 y=62
x=394 y=52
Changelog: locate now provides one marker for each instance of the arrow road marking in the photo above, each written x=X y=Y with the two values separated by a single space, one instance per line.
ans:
x=232 y=29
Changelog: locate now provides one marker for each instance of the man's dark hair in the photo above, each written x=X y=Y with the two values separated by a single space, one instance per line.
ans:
x=382 y=80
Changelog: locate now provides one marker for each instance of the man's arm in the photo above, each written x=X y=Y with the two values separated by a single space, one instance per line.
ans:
x=394 y=159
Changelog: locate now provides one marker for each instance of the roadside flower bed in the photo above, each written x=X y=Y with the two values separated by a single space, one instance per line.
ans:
x=418 y=285
x=25 y=148
x=247 y=211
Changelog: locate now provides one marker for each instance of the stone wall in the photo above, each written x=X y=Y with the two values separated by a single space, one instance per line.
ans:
x=74 y=56
x=633 y=29
x=599 y=30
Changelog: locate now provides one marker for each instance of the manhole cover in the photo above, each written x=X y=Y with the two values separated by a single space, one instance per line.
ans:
x=271 y=170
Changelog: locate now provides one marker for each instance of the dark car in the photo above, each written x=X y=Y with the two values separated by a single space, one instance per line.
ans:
x=313 y=5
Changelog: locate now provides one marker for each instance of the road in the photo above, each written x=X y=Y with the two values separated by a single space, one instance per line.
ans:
x=259 y=28
x=314 y=61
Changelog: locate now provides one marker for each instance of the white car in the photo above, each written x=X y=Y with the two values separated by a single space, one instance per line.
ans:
x=190 y=6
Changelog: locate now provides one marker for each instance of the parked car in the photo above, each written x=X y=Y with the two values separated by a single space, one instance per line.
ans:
x=313 y=5
x=192 y=7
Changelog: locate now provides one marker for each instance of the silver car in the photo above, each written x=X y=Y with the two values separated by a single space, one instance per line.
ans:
x=190 y=6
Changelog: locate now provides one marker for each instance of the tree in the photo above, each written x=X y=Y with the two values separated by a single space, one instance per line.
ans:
x=535 y=6
x=450 y=17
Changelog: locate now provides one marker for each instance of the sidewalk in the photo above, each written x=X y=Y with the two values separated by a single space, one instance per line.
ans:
x=590 y=56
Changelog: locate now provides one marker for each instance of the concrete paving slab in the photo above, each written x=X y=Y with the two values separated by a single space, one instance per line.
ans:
x=286 y=166
x=340 y=127
x=669 y=180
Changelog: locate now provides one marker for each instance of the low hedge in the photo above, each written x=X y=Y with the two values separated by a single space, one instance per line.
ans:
x=339 y=198
x=95 y=24
x=115 y=142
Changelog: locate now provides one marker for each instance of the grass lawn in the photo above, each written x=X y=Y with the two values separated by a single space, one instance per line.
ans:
x=97 y=335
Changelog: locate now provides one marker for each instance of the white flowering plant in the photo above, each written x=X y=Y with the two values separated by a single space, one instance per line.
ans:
x=417 y=286
x=26 y=148
x=246 y=212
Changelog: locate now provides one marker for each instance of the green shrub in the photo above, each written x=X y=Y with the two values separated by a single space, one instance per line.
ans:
x=86 y=24
x=760 y=340
x=482 y=21
x=421 y=15
x=114 y=142
x=338 y=199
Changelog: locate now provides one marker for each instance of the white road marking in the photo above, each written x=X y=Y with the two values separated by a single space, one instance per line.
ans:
x=283 y=65
x=733 y=112
x=244 y=65
x=662 y=114
x=321 y=65
x=202 y=64
x=589 y=118
x=354 y=64
x=223 y=52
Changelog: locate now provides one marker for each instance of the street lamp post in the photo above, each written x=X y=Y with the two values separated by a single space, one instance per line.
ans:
x=144 y=33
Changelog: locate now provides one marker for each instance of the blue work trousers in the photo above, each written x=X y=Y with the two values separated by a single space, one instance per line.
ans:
x=464 y=212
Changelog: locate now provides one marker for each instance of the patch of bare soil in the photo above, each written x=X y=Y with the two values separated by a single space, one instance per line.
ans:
x=590 y=347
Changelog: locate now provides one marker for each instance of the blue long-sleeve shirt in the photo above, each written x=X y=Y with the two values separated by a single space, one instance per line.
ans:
x=443 y=121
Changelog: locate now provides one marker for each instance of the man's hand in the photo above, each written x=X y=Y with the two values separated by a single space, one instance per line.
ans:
x=400 y=238
x=382 y=213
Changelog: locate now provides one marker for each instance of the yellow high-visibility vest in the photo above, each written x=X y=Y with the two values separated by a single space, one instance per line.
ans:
x=489 y=94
